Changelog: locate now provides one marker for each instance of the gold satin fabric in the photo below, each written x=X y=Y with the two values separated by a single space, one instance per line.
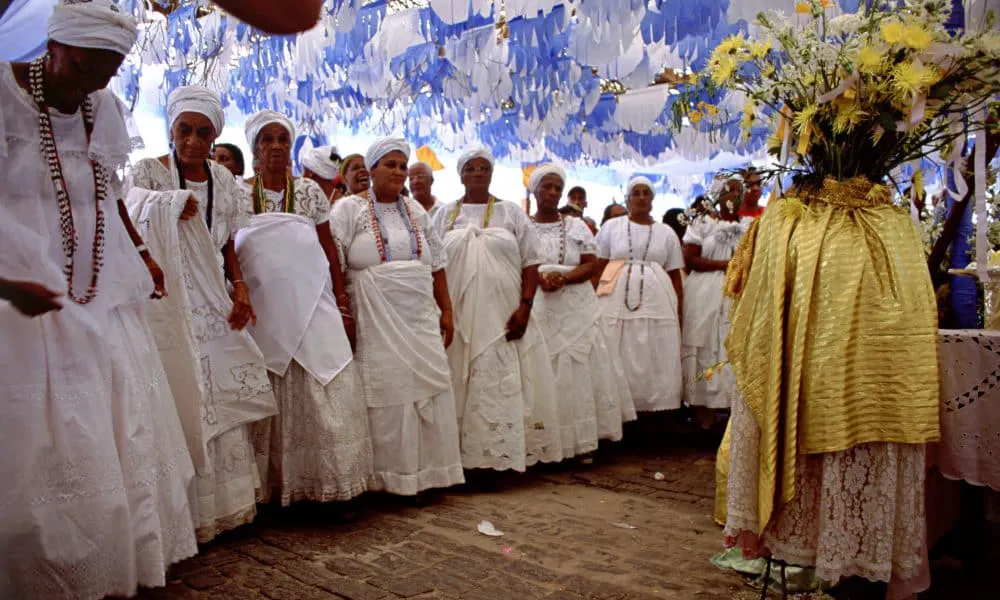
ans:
x=834 y=333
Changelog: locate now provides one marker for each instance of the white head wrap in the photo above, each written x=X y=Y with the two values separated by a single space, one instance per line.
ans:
x=196 y=99
x=318 y=161
x=263 y=119
x=384 y=146
x=538 y=174
x=95 y=24
x=637 y=181
x=479 y=152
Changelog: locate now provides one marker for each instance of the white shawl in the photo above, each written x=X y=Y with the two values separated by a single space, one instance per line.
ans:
x=400 y=349
x=289 y=280
x=215 y=373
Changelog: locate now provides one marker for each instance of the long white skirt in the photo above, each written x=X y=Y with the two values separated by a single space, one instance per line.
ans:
x=318 y=447
x=706 y=325
x=648 y=340
x=66 y=527
x=591 y=385
x=859 y=512
x=157 y=467
x=227 y=490
x=416 y=446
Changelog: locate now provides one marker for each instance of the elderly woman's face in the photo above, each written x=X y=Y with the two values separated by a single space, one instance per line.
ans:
x=358 y=178
x=640 y=201
x=79 y=72
x=192 y=135
x=389 y=173
x=549 y=192
x=273 y=148
x=477 y=173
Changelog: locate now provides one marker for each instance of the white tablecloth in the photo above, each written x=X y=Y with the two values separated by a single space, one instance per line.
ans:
x=970 y=407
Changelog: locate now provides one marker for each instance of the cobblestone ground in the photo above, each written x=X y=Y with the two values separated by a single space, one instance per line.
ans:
x=611 y=530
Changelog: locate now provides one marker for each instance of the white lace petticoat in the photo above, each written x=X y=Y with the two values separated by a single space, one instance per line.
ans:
x=859 y=512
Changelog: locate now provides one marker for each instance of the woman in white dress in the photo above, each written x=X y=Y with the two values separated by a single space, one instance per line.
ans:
x=640 y=295
x=318 y=447
x=591 y=385
x=395 y=267
x=505 y=391
x=709 y=243
x=215 y=369
x=95 y=470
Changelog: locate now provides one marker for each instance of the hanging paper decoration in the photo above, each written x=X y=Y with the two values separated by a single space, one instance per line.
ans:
x=424 y=154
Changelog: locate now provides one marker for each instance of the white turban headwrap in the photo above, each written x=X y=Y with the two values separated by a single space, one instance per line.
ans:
x=318 y=161
x=263 y=119
x=97 y=24
x=384 y=146
x=636 y=182
x=196 y=99
x=480 y=152
x=538 y=174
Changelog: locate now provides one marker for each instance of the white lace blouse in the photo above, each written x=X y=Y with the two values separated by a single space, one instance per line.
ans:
x=579 y=241
x=506 y=215
x=310 y=201
x=663 y=246
x=351 y=224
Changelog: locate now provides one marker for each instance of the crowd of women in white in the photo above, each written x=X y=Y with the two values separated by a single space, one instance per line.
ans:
x=288 y=350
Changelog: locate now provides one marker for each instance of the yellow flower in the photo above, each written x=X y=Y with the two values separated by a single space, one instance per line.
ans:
x=768 y=70
x=722 y=68
x=731 y=44
x=916 y=37
x=711 y=109
x=849 y=114
x=892 y=31
x=803 y=8
x=695 y=117
x=759 y=49
x=804 y=118
x=912 y=78
x=869 y=59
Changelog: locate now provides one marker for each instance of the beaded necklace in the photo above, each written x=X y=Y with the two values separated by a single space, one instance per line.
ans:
x=101 y=180
x=642 y=267
x=211 y=191
x=378 y=231
x=260 y=197
x=458 y=208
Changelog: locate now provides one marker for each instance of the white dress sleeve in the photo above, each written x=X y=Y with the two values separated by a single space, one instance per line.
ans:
x=527 y=238
x=435 y=245
x=342 y=219
x=603 y=240
x=698 y=231
x=675 y=255
x=315 y=205
x=236 y=216
x=578 y=232
x=146 y=174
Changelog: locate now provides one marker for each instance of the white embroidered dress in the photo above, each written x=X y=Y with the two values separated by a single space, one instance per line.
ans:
x=400 y=355
x=217 y=375
x=591 y=385
x=505 y=392
x=96 y=474
x=641 y=312
x=318 y=447
x=706 y=316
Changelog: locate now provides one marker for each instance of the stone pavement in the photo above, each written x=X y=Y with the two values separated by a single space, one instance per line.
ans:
x=604 y=531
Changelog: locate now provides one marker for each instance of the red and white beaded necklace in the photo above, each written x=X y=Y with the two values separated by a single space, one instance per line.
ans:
x=101 y=178
x=378 y=231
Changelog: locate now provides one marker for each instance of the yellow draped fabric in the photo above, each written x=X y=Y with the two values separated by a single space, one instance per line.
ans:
x=834 y=330
x=426 y=155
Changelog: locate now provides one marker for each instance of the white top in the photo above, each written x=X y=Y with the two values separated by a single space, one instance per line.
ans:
x=664 y=247
x=230 y=203
x=718 y=239
x=506 y=215
x=310 y=201
x=350 y=222
x=579 y=241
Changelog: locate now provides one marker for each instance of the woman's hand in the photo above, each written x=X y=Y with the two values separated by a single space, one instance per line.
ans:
x=29 y=298
x=159 y=284
x=552 y=282
x=447 y=327
x=518 y=323
x=190 y=208
x=242 y=312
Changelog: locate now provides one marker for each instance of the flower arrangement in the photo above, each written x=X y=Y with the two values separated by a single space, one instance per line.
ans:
x=859 y=94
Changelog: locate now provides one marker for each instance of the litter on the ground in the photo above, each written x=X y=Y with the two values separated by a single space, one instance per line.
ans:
x=623 y=526
x=659 y=476
x=487 y=528
x=506 y=549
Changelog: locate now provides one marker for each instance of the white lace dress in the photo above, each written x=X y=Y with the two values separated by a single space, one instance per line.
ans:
x=640 y=313
x=591 y=385
x=228 y=385
x=400 y=354
x=95 y=470
x=706 y=316
x=505 y=392
x=859 y=512
x=318 y=447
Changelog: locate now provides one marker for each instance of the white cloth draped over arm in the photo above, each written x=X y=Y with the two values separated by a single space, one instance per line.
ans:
x=289 y=280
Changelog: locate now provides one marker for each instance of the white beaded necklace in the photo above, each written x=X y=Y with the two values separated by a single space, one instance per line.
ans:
x=101 y=177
